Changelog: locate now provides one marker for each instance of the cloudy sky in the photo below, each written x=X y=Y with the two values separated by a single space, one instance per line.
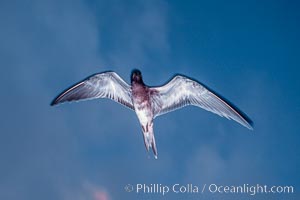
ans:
x=248 y=51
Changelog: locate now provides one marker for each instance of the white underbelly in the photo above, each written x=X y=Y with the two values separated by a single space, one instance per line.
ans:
x=143 y=111
x=144 y=116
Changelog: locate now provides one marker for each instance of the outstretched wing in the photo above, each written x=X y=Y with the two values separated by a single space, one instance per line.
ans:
x=102 y=85
x=182 y=91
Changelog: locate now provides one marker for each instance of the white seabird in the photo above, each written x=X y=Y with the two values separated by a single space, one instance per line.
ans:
x=150 y=102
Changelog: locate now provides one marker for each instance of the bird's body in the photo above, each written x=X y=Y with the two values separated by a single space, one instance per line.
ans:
x=141 y=102
x=141 y=99
x=150 y=102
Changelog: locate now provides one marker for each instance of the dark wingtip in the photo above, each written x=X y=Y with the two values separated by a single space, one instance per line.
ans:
x=250 y=122
x=242 y=114
x=54 y=102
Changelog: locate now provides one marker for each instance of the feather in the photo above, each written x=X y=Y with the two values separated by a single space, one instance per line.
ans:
x=182 y=91
x=102 y=85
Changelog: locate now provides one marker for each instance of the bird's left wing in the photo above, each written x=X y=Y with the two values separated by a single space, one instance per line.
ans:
x=182 y=91
x=102 y=85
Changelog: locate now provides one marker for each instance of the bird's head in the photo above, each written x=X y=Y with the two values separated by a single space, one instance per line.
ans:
x=136 y=76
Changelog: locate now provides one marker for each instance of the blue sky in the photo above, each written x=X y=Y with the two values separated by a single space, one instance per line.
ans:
x=248 y=51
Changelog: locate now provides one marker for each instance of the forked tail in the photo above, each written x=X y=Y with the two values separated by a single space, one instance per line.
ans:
x=149 y=139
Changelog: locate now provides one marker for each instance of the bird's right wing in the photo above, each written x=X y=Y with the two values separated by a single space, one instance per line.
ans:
x=102 y=85
x=182 y=91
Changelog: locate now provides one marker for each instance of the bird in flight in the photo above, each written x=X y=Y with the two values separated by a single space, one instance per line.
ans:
x=151 y=102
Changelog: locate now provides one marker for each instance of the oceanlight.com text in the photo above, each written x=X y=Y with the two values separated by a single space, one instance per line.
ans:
x=248 y=189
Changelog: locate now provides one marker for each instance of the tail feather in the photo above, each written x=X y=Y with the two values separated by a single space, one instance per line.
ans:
x=154 y=146
x=149 y=141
